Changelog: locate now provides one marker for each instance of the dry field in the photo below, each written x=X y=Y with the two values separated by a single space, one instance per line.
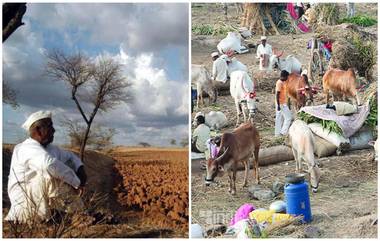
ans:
x=115 y=182
x=346 y=204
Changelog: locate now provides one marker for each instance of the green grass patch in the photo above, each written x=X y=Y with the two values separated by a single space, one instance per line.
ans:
x=371 y=120
x=208 y=29
x=330 y=125
x=361 y=20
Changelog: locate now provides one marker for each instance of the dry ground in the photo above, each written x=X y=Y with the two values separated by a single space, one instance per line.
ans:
x=102 y=179
x=346 y=204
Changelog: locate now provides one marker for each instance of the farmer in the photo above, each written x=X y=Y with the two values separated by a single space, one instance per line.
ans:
x=200 y=135
x=283 y=114
x=264 y=51
x=219 y=67
x=43 y=180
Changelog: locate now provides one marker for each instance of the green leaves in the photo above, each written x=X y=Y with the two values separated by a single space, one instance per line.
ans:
x=208 y=29
x=329 y=125
x=361 y=20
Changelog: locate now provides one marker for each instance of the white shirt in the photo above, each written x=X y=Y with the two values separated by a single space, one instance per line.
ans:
x=219 y=70
x=264 y=50
x=202 y=133
x=236 y=65
x=30 y=160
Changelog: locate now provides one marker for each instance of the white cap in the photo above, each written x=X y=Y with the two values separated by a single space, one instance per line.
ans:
x=199 y=114
x=39 y=115
x=263 y=38
x=304 y=72
x=214 y=54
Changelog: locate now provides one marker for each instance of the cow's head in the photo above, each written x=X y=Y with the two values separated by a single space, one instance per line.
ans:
x=274 y=60
x=251 y=103
x=214 y=168
x=306 y=95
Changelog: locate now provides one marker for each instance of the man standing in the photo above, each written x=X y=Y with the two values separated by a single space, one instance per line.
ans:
x=264 y=51
x=283 y=114
x=41 y=174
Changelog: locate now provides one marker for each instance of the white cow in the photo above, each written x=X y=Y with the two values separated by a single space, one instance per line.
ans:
x=290 y=63
x=201 y=77
x=216 y=120
x=231 y=42
x=302 y=141
x=234 y=65
x=242 y=90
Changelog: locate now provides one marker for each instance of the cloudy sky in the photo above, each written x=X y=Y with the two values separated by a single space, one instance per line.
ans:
x=149 y=40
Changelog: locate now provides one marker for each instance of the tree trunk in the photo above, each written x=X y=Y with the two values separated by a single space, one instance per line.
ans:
x=12 y=18
x=83 y=144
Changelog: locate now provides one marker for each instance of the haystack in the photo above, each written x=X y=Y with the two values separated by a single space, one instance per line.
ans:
x=352 y=48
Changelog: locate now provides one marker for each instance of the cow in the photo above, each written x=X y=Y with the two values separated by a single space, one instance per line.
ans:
x=214 y=119
x=290 y=63
x=231 y=42
x=201 y=77
x=299 y=90
x=237 y=146
x=302 y=142
x=340 y=82
x=243 y=91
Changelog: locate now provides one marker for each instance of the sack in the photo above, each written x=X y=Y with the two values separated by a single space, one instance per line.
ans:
x=332 y=137
x=361 y=139
x=344 y=108
x=323 y=148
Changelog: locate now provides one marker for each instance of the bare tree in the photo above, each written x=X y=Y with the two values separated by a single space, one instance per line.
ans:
x=12 y=19
x=102 y=80
x=100 y=138
x=9 y=95
x=173 y=142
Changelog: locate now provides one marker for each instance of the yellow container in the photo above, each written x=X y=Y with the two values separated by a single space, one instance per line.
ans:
x=268 y=216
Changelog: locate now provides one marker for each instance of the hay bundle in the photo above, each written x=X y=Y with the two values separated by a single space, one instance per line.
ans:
x=352 y=48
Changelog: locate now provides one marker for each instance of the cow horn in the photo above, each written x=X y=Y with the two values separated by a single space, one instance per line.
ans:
x=221 y=156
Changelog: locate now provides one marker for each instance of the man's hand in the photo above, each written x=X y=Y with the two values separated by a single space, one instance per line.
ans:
x=82 y=176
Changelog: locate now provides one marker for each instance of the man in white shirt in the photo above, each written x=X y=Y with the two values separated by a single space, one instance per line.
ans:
x=219 y=68
x=41 y=174
x=200 y=136
x=264 y=51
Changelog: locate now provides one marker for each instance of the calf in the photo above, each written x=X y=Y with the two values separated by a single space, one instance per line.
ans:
x=302 y=142
x=299 y=90
x=201 y=77
x=242 y=90
x=340 y=82
x=238 y=146
x=290 y=63
x=214 y=119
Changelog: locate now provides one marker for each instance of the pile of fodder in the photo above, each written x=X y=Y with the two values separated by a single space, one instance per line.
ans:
x=352 y=48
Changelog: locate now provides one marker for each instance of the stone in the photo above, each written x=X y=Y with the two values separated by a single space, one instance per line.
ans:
x=312 y=232
x=260 y=193
x=278 y=187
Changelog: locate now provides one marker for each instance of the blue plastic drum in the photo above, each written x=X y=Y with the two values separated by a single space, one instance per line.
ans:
x=297 y=200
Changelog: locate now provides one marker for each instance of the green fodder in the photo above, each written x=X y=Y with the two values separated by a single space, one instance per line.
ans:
x=366 y=54
x=209 y=29
x=361 y=20
x=329 y=125
x=371 y=120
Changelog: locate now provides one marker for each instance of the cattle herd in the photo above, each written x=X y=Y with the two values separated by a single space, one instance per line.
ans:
x=244 y=142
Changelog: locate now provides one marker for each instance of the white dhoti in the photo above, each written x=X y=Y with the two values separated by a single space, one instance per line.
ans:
x=35 y=199
x=283 y=120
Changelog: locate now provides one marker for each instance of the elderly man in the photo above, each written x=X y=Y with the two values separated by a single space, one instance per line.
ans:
x=219 y=67
x=264 y=51
x=43 y=178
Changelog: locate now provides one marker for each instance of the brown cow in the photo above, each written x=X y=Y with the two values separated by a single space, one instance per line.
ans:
x=236 y=147
x=299 y=90
x=340 y=82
